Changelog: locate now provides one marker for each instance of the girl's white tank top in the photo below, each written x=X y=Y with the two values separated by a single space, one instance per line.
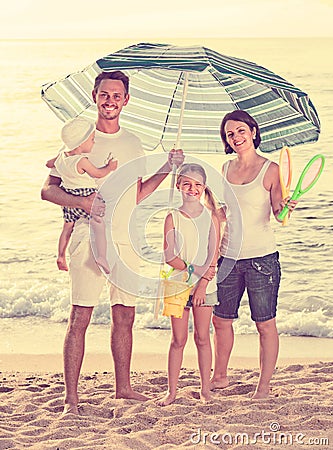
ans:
x=192 y=238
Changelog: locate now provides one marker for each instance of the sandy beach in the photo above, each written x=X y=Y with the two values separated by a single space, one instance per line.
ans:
x=298 y=412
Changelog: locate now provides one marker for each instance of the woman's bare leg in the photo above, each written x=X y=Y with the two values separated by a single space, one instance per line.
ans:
x=269 y=349
x=223 y=343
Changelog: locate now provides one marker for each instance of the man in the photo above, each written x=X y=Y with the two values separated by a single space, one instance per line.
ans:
x=110 y=94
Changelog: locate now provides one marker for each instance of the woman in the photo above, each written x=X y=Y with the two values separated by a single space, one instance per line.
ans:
x=249 y=258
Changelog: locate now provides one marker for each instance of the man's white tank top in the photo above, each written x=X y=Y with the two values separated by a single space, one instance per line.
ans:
x=248 y=233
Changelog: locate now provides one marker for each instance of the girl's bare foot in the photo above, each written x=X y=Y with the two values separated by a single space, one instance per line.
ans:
x=70 y=409
x=259 y=395
x=130 y=394
x=102 y=262
x=167 y=399
x=61 y=263
x=219 y=383
x=262 y=391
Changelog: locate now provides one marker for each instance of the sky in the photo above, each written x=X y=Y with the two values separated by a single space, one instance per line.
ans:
x=36 y=19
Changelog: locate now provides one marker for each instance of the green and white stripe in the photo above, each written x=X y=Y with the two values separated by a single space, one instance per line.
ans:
x=217 y=84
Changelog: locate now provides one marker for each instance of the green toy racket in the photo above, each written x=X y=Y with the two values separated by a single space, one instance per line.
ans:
x=285 y=173
x=307 y=180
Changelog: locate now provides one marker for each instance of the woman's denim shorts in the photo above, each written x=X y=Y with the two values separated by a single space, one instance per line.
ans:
x=259 y=276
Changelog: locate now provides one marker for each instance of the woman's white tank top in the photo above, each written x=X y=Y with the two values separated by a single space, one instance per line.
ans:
x=248 y=233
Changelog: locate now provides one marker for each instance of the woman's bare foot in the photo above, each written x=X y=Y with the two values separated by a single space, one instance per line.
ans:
x=167 y=399
x=61 y=263
x=70 y=409
x=219 y=383
x=205 y=396
x=102 y=262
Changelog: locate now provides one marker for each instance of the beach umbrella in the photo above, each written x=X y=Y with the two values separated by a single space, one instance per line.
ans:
x=216 y=84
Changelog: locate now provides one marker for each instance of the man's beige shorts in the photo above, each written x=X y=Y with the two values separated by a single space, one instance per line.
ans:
x=87 y=280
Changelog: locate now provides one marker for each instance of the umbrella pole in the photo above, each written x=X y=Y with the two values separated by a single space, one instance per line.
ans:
x=172 y=185
x=177 y=144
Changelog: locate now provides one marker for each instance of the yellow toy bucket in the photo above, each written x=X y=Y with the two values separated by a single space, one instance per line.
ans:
x=176 y=294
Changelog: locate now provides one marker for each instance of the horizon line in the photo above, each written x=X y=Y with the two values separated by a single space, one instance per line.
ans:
x=159 y=38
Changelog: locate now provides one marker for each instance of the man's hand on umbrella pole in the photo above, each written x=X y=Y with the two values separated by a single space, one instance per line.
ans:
x=176 y=157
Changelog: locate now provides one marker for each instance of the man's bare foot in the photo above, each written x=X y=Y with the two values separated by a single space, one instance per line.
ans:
x=102 y=262
x=219 y=383
x=205 y=396
x=70 y=409
x=132 y=395
x=61 y=263
x=167 y=399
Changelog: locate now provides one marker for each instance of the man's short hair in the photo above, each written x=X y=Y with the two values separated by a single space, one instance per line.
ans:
x=115 y=75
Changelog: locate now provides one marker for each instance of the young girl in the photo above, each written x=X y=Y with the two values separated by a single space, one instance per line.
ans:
x=77 y=174
x=192 y=236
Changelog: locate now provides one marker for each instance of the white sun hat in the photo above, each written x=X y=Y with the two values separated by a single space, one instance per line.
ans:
x=76 y=131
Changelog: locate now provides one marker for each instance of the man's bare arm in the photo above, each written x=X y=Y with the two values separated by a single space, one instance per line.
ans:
x=51 y=192
x=145 y=188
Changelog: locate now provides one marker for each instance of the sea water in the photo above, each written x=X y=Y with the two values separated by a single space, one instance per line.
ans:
x=30 y=284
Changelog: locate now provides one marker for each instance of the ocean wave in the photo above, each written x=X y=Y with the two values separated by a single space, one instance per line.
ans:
x=307 y=316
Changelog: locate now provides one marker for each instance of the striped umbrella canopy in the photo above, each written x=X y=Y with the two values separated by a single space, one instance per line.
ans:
x=217 y=84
